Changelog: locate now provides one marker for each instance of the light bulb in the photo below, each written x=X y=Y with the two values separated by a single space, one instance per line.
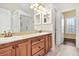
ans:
x=31 y=7
x=36 y=5
x=38 y=10
x=43 y=9
x=35 y=9
x=40 y=7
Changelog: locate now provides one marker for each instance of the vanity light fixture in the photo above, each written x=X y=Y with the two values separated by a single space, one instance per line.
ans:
x=38 y=8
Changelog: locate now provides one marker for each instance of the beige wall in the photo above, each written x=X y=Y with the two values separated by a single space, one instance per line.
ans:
x=71 y=36
x=67 y=14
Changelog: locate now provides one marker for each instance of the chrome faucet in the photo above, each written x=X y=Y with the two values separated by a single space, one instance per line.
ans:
x=5 y=34
x=9 y=34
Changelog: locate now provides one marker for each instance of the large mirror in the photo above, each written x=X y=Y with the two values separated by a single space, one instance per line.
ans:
x=16 y=23
x=37 y=19
x=26 y=23
x=46 y=18
x=5 y=20
x=22 y=22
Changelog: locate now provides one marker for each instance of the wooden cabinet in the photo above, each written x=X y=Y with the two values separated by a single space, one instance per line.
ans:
x=42 y=45
x=36 y=46
x=50 y=41
x=7 y=51
x=40 y=53
x=23 y=49
x=48 y=44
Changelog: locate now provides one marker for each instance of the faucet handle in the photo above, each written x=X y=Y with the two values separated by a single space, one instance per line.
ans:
x=5 y=34
x=9 y=34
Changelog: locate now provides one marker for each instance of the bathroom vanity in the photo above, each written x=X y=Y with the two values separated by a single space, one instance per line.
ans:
x=35 y=44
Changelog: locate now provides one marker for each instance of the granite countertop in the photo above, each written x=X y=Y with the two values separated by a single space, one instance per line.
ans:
x=25 y=36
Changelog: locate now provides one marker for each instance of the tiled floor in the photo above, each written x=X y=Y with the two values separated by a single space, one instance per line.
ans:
x=64 y=50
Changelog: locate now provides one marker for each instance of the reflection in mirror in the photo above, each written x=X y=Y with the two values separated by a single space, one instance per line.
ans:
x=5 y=20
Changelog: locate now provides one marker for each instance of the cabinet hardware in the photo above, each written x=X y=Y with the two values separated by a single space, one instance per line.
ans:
x=16 y=46
x=39 y=47
x=39 y=55
x=13 y=47
x=38 y=40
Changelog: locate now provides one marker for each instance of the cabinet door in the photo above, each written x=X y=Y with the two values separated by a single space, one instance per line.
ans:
x=8 y=51
x=50 y=42
x=23 y=49
x=40 y=53
x=47 y=44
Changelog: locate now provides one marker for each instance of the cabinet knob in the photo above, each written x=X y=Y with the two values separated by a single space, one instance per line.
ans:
x=38 y=40
x=17 y=46
x=39 y=47
x=39 y=55
x=13 y=47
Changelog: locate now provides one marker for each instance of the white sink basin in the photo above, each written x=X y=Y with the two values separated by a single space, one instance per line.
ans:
x=16 y=38
x=9 y=39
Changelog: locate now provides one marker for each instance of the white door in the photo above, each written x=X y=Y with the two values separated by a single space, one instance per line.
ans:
x=59 y=29
x=62 y=25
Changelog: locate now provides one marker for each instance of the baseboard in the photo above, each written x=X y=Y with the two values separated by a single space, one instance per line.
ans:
x=68 y=39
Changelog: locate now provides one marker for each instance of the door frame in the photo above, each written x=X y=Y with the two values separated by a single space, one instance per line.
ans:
x=75 y=20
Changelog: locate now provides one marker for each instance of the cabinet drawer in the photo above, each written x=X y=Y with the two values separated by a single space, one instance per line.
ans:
x=37 y=40
x=7 y=51
x=37 y=47
x=40 y=53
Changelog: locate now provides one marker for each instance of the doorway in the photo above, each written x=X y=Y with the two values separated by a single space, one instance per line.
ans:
x=69 y=27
